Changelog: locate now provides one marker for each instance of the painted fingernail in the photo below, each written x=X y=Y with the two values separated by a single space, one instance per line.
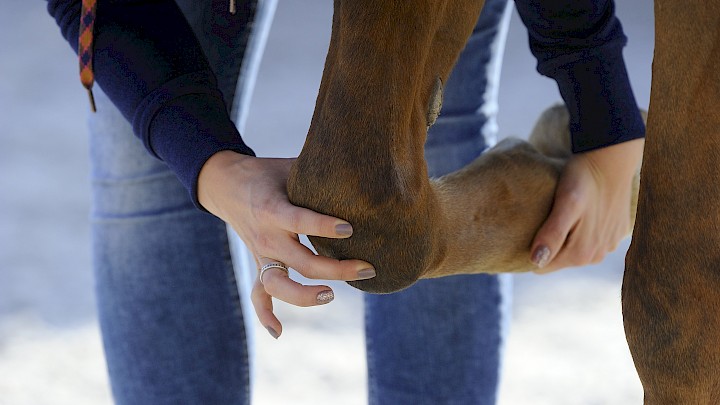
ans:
x=541 y=256
x=365 y=274
x=272 y=332
x=324 y=297
x=343 y=229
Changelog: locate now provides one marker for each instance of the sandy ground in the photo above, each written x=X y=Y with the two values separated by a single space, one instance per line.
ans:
x=566 y=344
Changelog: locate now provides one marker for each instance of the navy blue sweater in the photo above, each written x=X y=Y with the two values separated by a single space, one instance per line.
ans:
x=149 y=63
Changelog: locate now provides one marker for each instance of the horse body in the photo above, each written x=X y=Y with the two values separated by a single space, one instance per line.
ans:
x=363 y=162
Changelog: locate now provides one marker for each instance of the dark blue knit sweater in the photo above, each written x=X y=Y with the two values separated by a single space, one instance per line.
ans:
x=150 y=64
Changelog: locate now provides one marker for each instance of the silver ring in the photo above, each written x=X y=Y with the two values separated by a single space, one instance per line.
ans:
x=274 y=265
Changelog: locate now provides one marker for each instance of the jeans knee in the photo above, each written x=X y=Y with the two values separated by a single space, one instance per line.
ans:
x=152 y=194
x=126 y=180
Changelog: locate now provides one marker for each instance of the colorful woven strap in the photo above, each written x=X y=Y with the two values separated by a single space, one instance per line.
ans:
x=85 y=47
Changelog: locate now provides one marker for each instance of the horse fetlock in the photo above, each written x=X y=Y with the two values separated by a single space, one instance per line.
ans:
x=393 y=227
x=400 y=250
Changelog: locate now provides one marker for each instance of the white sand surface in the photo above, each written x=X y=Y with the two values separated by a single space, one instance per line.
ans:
x=566 y=344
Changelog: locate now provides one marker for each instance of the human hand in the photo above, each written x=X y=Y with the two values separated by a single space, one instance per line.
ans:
x=250 y=194
x=591 y=212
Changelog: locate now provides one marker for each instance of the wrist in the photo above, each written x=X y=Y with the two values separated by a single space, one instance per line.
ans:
x=212 y=176
x=620 y=161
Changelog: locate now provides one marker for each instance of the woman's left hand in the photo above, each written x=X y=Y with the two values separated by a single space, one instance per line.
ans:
x=591 y=211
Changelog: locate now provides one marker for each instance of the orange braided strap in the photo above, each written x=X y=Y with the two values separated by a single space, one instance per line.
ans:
x=85 y=47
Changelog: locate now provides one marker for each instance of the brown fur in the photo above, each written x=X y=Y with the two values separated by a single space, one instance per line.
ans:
x=480 y=219
x=363 y=157
x=363 y=161
x=365 y=164
x=488 y=212
x=671 y=290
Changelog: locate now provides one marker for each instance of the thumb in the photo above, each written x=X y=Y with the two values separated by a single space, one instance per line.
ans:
x=551 y=236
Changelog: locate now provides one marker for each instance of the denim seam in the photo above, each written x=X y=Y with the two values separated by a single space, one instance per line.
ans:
x=235 y=303
x=97 y=217
x=133 y=180
x=370 y=359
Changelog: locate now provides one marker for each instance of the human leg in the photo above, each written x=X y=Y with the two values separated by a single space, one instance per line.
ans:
x=169 y=308
x=168 y=304
x=439 y=340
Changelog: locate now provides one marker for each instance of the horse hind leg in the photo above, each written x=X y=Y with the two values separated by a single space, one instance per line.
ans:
x=551 y=134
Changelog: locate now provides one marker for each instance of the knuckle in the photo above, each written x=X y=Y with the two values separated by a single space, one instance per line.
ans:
x=309 y=271
x=257 y=288
x=307 y=302
x=308 y=264
x=598 y=258
x=271 y=284
x=294 y=220
x=259 y=210
x=263 y=244
x=275 y=211
x=552 y=233
x=584 y=256
x=325 y=225
x=347 y=270
x=573 y=198
x=268 y=211
x=256 y=296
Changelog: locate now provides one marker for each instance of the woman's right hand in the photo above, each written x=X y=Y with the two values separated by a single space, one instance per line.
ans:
x=250 y=194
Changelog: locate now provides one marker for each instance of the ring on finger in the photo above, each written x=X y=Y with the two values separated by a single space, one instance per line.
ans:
x=273 y=265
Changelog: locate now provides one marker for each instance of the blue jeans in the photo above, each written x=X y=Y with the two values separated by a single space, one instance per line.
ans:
x=168 y=303
x=170 y=314
x=439 y=341
x=169 y=307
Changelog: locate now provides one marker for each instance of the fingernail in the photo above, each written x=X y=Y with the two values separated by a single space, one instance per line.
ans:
x=365 y=274
x=541 y=256
x=272 y=332
x=343 y=229
x=324 y=297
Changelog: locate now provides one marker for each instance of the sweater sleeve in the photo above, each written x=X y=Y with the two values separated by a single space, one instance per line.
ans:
x=149 y=63
x=578 y=43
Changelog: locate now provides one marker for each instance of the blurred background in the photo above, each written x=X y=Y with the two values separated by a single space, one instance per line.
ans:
x=566 y=344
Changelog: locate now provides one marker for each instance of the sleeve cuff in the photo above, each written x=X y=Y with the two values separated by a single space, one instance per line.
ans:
x=184 y=125
x=602 y=106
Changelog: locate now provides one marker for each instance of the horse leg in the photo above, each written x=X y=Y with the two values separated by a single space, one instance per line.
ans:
x=363 y=157
x=671 y=289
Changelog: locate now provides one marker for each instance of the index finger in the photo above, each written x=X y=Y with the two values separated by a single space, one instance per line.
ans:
x=304 y=221
x=310 y=265
x=553 y=234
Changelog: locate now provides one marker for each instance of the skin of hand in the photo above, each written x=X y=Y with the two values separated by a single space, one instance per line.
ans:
x=591 y=210
x=250 y=194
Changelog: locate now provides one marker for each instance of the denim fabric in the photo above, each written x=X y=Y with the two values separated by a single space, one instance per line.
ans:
x=169 y=309
x=244 y=263
x=168 y=303
x=439 y=341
